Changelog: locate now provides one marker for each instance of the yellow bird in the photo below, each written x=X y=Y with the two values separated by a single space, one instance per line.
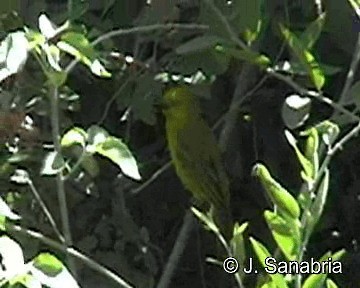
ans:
x=196 y=156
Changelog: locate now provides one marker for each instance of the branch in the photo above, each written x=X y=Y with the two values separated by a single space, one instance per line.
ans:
x=318 y=95
x=45 y=209
x=139 y=29
x=177 y=251
x=152 y=178
x=350 y=76
x=60 y=187
x=70 y=251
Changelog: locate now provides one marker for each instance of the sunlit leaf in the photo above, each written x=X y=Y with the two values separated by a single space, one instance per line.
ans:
x=46 y=27
x=95 y=136
x=77 y=45
x=6 y=211
x=52 y=163
x=20 y=176
x=48 y=264
x=318 y=280
x=262 y=253
x=75 y=135
x=286 y=235
x=12 y=258
x=283 y=200
x=331 y=284
x=118 y=152
x=51 y=272
x=13 y=54
x=25 y=280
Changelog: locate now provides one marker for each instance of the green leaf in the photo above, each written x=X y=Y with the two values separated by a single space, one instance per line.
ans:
x=237 y=243
x=35 y=38
x=74 y=136
x=270 y=284
x=77 y=45
x=338 y=255
x=330 y=284
x=305 y=57
x=53 y=58
x=13 y=54
x=48 y=264
x=2 y=222
x=6 y=211
x=284 y=201
x=318 y=280
x=49 y=271
x=286 y=235
x=117 y=151
x=329 y=131
x=311 y=147
x=198 y=44
x=262 y=253
x=26 y=280
x=246 y=55
x=313 y=31
x=307 y=166
x=356 y=6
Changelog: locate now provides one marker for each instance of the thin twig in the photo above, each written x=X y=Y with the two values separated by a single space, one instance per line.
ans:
x=54 y=99
x=340 y=144
x=323 y=168
x=116 y=94
x=351 y=73
x=305 y=92
x=177 y=251
x=45 y=210
x=152 y=178
x=70 y=251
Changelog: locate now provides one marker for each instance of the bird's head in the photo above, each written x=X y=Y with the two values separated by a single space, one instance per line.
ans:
x=179 y=98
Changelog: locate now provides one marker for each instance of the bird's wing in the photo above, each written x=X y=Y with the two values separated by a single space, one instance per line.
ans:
x=200 y=152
